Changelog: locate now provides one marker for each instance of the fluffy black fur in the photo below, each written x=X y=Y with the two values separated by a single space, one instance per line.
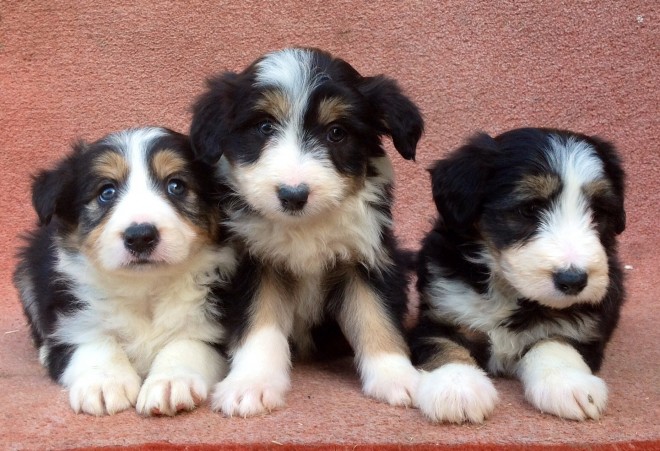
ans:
x=240 y=120
x=482 y=216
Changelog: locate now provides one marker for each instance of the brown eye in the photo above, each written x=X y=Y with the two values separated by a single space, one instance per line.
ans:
x=336 y=134
x=530 y=210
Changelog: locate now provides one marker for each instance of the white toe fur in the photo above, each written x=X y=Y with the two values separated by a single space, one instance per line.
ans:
x=558 y=381
x=390 y=378
x=236 y=396
x=98 y=393
x=259 y=376
x=456 y=393
x=169 y=393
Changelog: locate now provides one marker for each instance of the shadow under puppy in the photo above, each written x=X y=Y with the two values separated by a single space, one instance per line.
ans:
x=298 y=139
x=120 y=281
x=520 y=274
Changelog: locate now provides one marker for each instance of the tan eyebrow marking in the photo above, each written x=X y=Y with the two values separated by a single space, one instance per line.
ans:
x=538 y=186
x=274 y=103
x=332 y=109
x=166 y=162
x=112 y=166
x=600 y=187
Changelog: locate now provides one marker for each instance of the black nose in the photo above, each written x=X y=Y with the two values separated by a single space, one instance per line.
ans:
x=141 y=238
x=570 y=281
x=293 y=198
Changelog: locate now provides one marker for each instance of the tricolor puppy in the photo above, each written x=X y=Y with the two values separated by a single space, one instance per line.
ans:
x=120 y=281
x=520 y=274
x=300 y=132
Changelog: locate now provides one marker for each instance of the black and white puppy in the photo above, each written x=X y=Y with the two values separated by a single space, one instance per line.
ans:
x=119 y=281
x=520 y=274
x=300 y=132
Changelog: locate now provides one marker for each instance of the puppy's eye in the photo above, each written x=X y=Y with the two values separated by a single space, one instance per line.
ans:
x=176 y=187
x=336 y=134
x=108 y=193
x=266 y=127
x=530 y=210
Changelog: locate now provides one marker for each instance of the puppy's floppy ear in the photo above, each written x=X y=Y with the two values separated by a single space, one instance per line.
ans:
x=614 y=171
x=53 y=191
x=212 y=117
x=459 y=181
x=399 y=115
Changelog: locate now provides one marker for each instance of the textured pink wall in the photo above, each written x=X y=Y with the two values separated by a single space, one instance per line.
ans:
x=70 y=69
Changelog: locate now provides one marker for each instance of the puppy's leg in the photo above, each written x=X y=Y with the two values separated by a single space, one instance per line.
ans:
x=452 y=387
x=259 y=374
x=100 y=379
x=558 y=381
x=380 y=349
x=180 y=377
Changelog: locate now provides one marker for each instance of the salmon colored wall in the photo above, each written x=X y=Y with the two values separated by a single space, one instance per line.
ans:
x=73 y=69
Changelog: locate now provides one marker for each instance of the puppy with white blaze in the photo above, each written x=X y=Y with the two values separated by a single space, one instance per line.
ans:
x=520 y=274
x=121 y=282
x=297 y=139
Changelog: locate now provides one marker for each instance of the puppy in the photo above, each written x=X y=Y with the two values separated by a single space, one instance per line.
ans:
x=520 y=274
x=310 y=184
x=120 y=281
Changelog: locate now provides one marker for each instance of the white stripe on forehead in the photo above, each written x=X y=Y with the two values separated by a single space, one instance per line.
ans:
x=574 y=160
x=134 y=140
x=291 y=70
x=294 y=72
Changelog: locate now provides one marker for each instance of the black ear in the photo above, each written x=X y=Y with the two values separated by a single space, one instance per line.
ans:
x=211 y=117
x=53 y=191
x=400 y=116
x=459 y=181
x=614 y=171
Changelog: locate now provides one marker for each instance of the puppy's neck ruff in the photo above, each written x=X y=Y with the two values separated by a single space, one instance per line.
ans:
x=312 y=244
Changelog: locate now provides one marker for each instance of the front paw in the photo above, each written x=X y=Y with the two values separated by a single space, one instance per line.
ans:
x=104 y=393
x=571 y=394
x=456 y=393
x=245 y=397
x=166 y=393
x=390 y=378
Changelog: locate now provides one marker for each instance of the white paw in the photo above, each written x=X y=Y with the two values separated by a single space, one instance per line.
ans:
x=456 y=393
x=168 y=393
x=570 y=393
x=390 y=378
x=104 y=393
x=245 y=397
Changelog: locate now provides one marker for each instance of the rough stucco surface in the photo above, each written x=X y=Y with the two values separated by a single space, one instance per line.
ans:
x=81 y=69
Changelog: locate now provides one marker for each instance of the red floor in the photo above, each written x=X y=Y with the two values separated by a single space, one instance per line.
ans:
x=70 y=69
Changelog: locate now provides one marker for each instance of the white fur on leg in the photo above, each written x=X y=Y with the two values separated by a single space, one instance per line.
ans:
x=455 y=393
x=100 y=379
x=259 y=376
x=180 y=378
x=558 y=381
x=390 y=378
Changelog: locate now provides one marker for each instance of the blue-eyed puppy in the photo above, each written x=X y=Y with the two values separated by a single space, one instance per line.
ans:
x=120 y=280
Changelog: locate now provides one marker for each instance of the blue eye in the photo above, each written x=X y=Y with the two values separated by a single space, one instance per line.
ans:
x=266 y=127
x=176 y=187
x=108 y=192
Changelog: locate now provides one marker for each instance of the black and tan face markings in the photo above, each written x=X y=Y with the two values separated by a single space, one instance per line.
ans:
x=112 y=166
x=600 y=188
x=332 y=110
x=537 y=187
x=167 y=163
x=275 y=104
